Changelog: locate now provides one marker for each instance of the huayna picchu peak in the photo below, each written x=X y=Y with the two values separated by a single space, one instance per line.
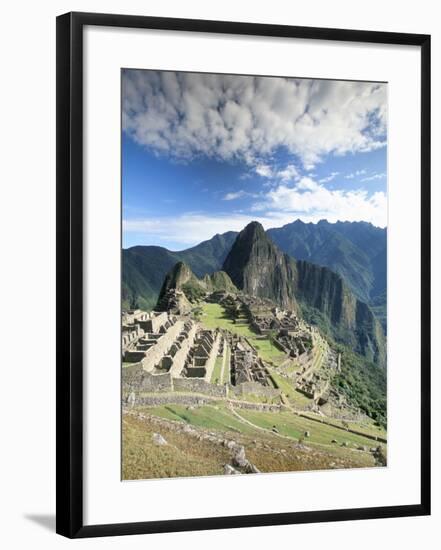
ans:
x=259 y=268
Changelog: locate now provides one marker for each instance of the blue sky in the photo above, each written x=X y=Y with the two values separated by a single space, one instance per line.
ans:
x=204 y=154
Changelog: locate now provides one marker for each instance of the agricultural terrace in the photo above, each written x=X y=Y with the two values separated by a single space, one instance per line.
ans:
x=214 y=316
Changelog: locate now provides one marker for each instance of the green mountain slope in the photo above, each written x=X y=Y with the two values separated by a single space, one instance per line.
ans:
x=144 y=267
x=355 y=250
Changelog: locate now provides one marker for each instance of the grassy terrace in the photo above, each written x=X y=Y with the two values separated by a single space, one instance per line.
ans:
x=367 y=427
x=294 y=426
x=186 y=456
x=319 y=355
x=226 y=375
x=218 y=417
x=217 y=371
x=284 y=385
x=215 y=417
x=214 y=317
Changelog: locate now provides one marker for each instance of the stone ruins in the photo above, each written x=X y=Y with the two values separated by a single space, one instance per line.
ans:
x=170 y=351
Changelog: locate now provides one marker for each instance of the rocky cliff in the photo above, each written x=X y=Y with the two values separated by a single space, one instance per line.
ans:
x=259 y=268
x=181 y=281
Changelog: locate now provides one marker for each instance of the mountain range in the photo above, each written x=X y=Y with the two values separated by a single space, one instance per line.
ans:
x=355 y=250
x=257 y=267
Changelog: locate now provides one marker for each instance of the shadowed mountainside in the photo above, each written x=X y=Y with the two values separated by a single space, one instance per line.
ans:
x=259 y=268
x=355 y=250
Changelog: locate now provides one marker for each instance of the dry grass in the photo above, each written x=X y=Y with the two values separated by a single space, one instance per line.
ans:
x=183 y=456
x=186 y=455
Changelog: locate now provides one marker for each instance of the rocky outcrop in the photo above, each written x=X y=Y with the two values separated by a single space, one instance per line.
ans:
x=181 y=286
x=257 y=267
x=218 y=281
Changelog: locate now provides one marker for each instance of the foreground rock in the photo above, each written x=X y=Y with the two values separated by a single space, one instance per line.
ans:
x=229 y=470
x=158 y=439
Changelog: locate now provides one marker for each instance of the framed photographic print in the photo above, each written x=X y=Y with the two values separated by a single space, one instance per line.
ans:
x=243 y=288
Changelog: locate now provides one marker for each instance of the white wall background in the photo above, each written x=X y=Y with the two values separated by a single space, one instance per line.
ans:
x=27 y=275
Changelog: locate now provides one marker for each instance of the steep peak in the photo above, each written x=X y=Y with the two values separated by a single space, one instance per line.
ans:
x=253 y=230
x=179 y=275
x=256 y=266
x=181 y=271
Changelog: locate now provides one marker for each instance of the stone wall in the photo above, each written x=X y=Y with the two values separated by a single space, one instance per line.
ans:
x=154 y=354
x=132 y=376
x=156 y=382
x=199 y=385
x=136 y=379
x=155 y=322
x=254 y=388
x=181 y=355
x=178 y=399
x=261 y=407
x=134 y=356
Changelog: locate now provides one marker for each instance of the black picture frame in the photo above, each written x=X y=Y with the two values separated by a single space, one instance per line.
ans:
x=69 y=293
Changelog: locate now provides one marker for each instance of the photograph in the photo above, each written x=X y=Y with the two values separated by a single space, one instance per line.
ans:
x=254 y=274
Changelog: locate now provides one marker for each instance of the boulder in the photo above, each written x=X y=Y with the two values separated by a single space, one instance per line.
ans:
x=229 y=470
x=239 y=458
x=252 y=469
x=131 y=399
x=158 y=439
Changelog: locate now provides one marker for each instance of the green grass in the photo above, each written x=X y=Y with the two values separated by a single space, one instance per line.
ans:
x=214 y=316
x=253 y=398
x=367 y=427
x=217 y=371
x=210 y=417
x=288 y=388
x=287 y=423
x=227 y=376
x=295 y=426
x=185 y=455
x=318 y=356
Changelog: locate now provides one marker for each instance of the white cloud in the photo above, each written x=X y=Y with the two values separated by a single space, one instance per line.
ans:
x=355 y=174
x=310 y=201
x=185 y=230
x=288 y=173
x=307 y=201
x=227 y=117
x=264 y=170
x=331 y=176
x=380 y=176
x=235 y=195
x=307 y=183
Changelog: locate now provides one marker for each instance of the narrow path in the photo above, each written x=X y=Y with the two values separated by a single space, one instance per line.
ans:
x=245 y=421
